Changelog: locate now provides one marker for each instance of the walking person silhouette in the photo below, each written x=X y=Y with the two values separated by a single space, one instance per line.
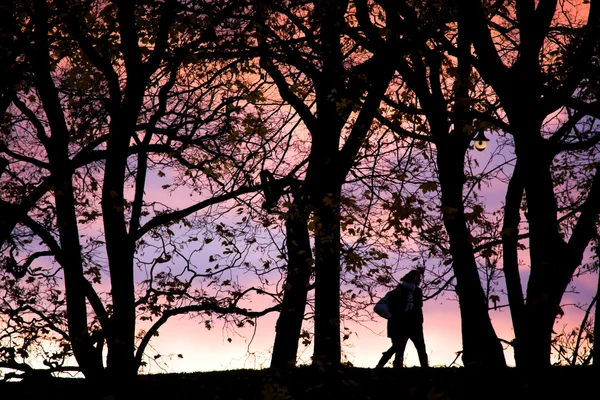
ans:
x=405 y=305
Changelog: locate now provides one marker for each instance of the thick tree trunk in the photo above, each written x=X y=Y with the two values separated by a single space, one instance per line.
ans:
x=289 y=323
x=120 y=362
x=327 y=350
x=546 y=248
x=541 y=307
x=120 y=247
x=480 y=343
x=325 y=184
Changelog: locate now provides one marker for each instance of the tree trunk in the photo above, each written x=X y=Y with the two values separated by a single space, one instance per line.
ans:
x=546 y=248
x=480 y=343
x=509 y=234
x=325 y=184
x=87 y=358
x=327 y=350
x=120 y=362
x=289 y=323
x=120 y=247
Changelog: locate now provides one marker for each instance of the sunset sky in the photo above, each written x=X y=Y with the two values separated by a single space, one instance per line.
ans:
x=205 y=350
x=179 y=250
x=210 y=350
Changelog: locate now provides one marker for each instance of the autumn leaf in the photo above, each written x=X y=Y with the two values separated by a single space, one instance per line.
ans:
x=495 y=299
x=428 y=187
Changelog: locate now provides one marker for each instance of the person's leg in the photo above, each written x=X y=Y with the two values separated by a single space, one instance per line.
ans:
x=419 y=341
x=399 y=344
x=385 y=357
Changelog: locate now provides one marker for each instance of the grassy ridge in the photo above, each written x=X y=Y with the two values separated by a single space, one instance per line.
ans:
x=308 y=383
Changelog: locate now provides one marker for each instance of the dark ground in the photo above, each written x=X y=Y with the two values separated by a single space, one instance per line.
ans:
x=564 y=383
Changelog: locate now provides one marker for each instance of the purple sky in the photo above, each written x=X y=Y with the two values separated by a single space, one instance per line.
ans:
x=205 y=350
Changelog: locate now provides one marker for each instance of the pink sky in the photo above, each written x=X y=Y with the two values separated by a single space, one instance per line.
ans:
x=209 y=350
x=205 y=350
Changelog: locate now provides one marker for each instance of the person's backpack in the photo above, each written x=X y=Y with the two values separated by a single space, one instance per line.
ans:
x=381 y=308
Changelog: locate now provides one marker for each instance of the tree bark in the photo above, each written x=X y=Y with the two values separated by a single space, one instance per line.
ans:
x=327 y=350
x=324 y=187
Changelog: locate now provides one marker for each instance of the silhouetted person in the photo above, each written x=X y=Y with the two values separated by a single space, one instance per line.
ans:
x=406 y=322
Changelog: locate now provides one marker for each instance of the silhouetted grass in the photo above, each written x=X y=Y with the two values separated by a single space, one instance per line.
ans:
x=346 y=383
